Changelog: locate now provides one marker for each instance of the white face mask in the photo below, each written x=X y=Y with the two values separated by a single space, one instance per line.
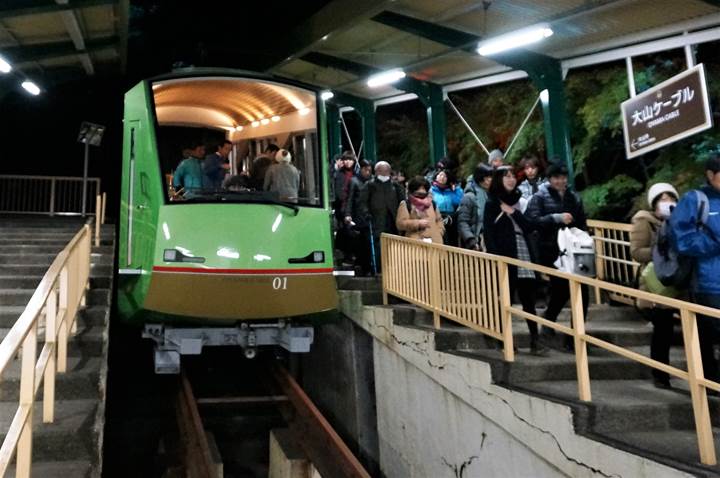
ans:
x=665 y=209
x=383 y=179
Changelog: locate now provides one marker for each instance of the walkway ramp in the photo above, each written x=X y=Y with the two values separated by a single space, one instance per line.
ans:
x=71 y=445
x=652 y=429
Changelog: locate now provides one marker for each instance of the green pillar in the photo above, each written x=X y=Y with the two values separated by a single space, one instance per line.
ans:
x=366 y=109
x=436 y=123
x=333 y=126
x=546 y=74
x=433 y=98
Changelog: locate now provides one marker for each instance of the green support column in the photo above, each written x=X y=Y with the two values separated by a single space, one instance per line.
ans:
x=333 y=126
x=546 y=74
x=366 y=109
x=436 y=123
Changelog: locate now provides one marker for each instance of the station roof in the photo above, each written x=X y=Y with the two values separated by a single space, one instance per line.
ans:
x=345 y=42
x=52 y=41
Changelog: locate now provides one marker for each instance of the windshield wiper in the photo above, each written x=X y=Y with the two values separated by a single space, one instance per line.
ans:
x=259 y=197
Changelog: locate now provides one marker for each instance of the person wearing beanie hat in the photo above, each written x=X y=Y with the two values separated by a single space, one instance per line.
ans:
x=283 y=178
x=662 y=198
x=496 y=158
x=702 y=243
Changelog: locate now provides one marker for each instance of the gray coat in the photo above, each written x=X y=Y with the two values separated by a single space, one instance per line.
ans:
x=284 y=179
x=470 y=215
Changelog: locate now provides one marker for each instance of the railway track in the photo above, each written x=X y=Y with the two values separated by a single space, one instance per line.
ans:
x=323 y=448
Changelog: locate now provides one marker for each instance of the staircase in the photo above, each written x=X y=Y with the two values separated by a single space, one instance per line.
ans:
x=626 y=411
x=71 y=446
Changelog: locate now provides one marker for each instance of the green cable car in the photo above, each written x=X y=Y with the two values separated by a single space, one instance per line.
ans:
x=233 y=248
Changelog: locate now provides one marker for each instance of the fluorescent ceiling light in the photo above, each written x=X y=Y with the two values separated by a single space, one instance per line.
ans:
x=275 y=118
x=304 y=111
x=4 y=66
x=326 y=95
x=385 y=78
x=264 y=121
x=514 y=40
x=31 y=87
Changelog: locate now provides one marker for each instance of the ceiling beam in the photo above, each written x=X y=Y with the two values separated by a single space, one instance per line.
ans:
x=330 y=61
x=36 y=7
x=334 y=16
x=72 y=25
x=428 y=30
x=45 y=51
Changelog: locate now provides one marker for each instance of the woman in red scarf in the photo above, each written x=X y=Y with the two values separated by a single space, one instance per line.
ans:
x=418 y=218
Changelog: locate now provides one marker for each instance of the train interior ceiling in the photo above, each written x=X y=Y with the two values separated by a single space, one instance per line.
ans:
x=250 y=113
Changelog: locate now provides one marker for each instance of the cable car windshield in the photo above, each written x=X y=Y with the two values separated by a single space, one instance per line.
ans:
x=238 y=140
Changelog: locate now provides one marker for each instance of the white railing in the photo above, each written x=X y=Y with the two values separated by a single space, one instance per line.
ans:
x=48 y=195
x=57 y=300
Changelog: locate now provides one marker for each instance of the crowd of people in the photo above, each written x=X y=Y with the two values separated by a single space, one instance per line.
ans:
x=517 y=212
x=199 y=173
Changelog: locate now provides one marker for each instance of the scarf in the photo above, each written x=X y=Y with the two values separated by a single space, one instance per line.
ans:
x=510 y=197
x=442 y=187
x=421 y=204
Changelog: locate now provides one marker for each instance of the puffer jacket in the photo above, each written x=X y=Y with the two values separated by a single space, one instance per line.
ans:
x=467 y=226
x=702 y=243
x=545 y=212
x=447 y=199
x=408 y=222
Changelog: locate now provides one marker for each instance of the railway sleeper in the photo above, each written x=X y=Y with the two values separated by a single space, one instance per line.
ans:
x=173 y=342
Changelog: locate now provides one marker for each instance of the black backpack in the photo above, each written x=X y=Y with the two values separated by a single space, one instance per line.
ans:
x=672 y=268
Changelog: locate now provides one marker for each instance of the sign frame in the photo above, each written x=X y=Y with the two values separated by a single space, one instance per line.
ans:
x=700 y=70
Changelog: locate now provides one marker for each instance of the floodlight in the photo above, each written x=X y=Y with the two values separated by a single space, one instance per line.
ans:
x=326 y=95
x=4 y=66
x=514 y=40
x=385 y=78
x=31 y=87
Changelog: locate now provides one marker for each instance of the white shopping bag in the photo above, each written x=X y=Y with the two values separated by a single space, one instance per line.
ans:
x=577 y=252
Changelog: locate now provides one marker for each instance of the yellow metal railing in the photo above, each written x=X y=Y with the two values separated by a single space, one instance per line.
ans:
x=54 y=304
x=472 y=289
x=613 y=260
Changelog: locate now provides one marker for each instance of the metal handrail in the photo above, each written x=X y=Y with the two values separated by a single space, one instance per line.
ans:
x=47 y=195
x=60 y=295
x=472 y=288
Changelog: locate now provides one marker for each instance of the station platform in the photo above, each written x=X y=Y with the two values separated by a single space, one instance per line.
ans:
x=71 y=446
x=444 y=401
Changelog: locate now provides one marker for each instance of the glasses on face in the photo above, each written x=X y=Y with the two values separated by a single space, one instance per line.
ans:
x=420 y=195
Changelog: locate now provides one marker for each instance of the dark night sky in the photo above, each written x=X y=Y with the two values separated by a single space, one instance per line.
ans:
x=39 y=134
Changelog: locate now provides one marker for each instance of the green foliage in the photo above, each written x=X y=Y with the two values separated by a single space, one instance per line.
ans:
x=610 y=197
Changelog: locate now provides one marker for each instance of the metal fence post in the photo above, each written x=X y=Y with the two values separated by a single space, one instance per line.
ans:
x=505 y=315
x=52 y=197
x=703 y=425
x=581 y=356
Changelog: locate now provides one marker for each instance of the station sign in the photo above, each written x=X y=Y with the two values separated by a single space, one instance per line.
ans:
x=673 y=110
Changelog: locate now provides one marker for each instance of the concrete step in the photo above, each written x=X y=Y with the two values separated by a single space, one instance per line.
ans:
x=359 y=283
x=58 y=469
x=90 y=316
x=71 y=437
x=47 y=249
x=82 y=380
x=50 y=240
x=87 y=342
x=40 y=269
x=22 y=296
x=47 y=258
x=32 y=281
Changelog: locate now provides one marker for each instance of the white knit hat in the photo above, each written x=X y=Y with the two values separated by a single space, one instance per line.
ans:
x=283 y=155
x=657 y=189
x=495 y=154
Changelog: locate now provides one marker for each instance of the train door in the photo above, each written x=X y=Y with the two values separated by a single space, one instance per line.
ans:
x=137 y=204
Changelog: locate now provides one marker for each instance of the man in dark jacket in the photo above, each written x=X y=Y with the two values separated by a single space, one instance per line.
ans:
x=553 y=207
x=216 y=165
x=702 y=242
x=379 y=201
x=356 y=221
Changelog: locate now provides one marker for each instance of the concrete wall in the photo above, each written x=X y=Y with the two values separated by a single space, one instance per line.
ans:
x=440 y=415
x=338 y=376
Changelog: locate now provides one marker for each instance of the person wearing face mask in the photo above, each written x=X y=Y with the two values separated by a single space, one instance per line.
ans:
x=503 y=222
x=662 y=198
x=418 y=217
x=378 y=204
x=553 y=207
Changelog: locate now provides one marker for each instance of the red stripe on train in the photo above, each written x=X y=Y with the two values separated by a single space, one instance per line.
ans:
x=196 y=270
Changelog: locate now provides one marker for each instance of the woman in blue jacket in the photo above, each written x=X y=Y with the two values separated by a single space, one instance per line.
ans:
x=702 y=242
x=447 y=196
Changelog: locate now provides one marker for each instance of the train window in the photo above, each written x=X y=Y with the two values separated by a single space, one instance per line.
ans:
x=237 y=140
